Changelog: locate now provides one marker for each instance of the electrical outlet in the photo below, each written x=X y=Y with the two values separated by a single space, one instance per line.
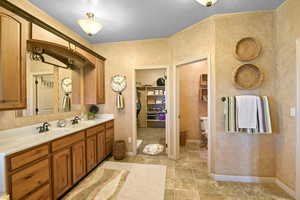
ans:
x=293 y=112
x=129 y=140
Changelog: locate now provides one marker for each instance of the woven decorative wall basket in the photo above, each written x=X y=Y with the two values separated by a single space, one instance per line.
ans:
x=247 y=77
x=247 y=49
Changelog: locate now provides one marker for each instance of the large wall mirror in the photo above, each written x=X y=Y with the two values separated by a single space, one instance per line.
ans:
x=52 y=87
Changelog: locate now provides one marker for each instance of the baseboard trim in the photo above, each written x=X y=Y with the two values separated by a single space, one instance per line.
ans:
x=254 y=179
x=244 y=179
x=286 y=188
x=194 y=141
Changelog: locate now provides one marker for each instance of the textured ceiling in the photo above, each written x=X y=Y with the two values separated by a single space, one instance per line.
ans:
x=125 y=20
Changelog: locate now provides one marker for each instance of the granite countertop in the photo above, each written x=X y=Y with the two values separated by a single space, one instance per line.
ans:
x=19 y=139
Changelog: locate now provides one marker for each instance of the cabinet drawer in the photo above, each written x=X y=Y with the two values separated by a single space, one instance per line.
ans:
x=66 y=141
x=28 y=156
x=27 y=180
x=41 y=194
x=95 y=130
x=109 y=124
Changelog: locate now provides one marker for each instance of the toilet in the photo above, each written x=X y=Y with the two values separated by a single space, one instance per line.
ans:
x=203 y=131
x=203 y=125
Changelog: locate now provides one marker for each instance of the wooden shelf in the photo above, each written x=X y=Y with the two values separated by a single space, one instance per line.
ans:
x=155 y=120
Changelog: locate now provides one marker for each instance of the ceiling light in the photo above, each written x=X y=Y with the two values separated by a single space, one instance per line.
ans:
x=89 y=25
x=207 y=3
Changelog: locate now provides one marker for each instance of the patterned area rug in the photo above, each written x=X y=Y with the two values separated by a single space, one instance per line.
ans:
x=122 y=181
x=102 y=184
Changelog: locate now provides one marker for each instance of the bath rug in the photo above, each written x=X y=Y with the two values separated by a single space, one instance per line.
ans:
x=153 y=149
x=144 y=181
x=102 y=184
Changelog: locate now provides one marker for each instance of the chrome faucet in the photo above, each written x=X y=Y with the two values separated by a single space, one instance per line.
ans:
x=44 y=127
x=75 y=120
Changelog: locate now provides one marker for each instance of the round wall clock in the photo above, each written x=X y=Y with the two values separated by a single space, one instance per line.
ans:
x=66 y=85
x=118 y=83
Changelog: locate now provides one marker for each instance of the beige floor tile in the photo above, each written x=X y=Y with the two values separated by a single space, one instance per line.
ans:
x=170 y=183
x=185 y=184
x=186 y=195
x=170 y=172
x=200 y=174
x=187 y=179
x=169 y=195
x=183 y=173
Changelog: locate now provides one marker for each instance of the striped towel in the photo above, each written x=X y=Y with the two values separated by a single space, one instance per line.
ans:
x=264 y=125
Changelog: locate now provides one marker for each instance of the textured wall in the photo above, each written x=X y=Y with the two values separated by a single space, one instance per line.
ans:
x=245 y=155
x=122 y=58
x=287 y=32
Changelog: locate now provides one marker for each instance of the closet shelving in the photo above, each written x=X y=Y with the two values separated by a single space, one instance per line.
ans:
x=156 y=96
x=203 y=93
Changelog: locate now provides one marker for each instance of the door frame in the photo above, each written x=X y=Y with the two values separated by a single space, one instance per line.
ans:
x=211 y=105
x=134 y=121
x=298 y=120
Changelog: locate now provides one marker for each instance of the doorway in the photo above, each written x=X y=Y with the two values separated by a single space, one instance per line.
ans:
x=194 y=123
x=298 y=120
x=150 y=109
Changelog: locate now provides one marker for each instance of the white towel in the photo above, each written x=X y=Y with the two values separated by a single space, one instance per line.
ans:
x=247 y=111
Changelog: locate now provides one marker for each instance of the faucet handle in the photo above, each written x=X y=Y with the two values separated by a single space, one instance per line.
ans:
x=41 y=129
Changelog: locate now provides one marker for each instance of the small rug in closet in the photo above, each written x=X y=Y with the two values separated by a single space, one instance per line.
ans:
x=153 y=149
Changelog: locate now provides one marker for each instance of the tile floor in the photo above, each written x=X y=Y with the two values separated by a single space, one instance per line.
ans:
x=151 y=136
x=187 y=179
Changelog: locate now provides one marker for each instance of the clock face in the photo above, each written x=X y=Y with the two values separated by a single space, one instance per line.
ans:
x=118 y=83
x=66 y=85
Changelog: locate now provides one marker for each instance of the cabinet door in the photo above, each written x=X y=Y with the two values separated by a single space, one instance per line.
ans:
x=101 y=146
x=94 y=83
x=78 y=161
x=14 y=32
x=109 y=147
x=100 y=67
x=91 y=152
x=61 y=170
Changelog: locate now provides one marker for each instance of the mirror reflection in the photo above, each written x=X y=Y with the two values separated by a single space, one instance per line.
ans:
x=51 y=87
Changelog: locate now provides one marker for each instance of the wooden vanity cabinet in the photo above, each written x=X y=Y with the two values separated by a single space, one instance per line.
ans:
x=47 y=171
x=68 y=162
x=14 y=32
x=95 y=145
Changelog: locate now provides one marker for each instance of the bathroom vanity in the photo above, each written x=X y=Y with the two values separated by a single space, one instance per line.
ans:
x=45 y=166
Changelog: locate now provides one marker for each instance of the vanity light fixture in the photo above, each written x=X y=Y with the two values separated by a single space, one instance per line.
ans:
x=207 y=3
x=90 y=25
